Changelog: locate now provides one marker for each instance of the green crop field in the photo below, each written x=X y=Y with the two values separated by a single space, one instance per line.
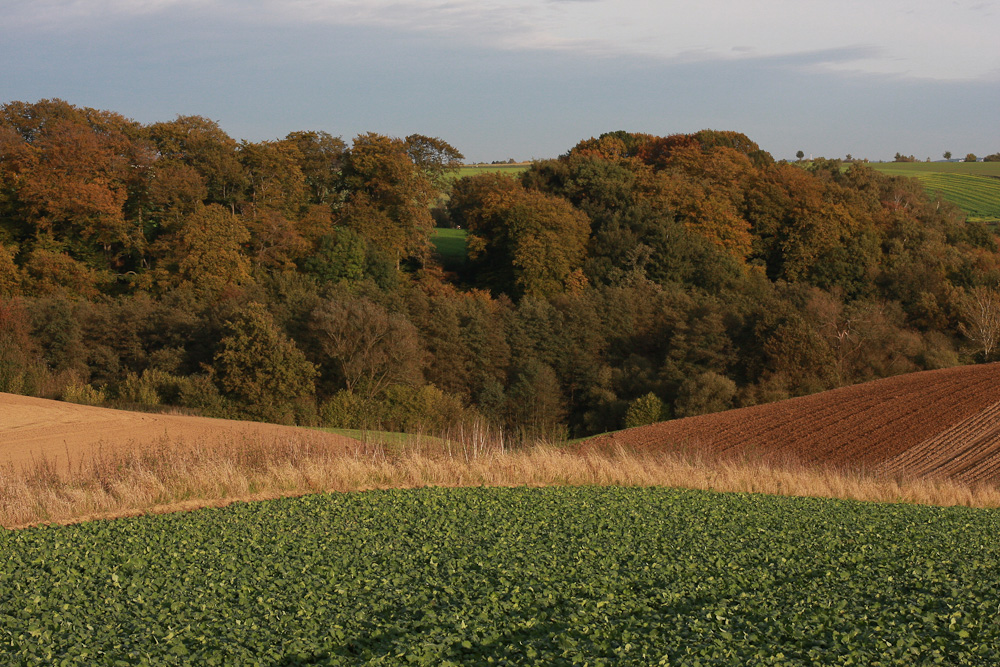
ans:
x=556 y=576
x=972 y=186
x=914 y=168
x=450 y=244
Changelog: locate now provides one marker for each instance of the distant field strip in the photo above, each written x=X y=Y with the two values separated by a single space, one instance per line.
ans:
x=473 y=169
x=979 y=196
x=973 y=187
x=915 y=168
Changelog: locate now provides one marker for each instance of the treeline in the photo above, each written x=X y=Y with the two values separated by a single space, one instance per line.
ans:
x=633 y=279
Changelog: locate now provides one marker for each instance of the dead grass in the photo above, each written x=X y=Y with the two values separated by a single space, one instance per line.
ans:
x=172 y=477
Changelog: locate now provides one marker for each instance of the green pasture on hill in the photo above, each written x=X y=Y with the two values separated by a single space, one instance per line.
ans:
x=450 y=245
x=473 y=169
x=972 y=186
x=914 y=168
x=554 y=576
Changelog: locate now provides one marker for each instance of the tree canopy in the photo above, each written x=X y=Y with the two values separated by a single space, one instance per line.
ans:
x=635 y=277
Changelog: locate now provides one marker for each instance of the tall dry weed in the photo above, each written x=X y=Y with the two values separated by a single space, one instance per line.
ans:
x=171 y=475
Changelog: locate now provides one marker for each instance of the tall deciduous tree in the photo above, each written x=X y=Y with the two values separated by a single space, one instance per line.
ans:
x=366 y=347
x=320 y=157
x=527 y=243
x=981 y=312
x=388 y=197
x=259 y=366
x=200 y=143
x=73 y=173
x=19 y=354
x=10 y=274
x=206 y=253
x=274 y=180
x=436 y=157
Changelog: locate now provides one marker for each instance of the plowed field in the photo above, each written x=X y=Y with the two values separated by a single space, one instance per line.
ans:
x=32 y=428
x=943 y=423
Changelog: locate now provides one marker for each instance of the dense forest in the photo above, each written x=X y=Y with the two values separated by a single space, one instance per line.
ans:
x=634 y=278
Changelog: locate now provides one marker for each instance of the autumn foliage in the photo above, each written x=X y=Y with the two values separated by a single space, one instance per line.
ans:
x=633 y=278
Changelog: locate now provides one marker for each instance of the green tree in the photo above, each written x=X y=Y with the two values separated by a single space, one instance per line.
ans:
x=536 y=402
x=340 y=257
x=388 y=197
x=704 y=393
x=438 y=159
x=527 y=243
x=258 y=366
x=644 y=410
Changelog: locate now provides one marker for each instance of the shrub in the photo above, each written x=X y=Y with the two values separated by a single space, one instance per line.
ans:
x=83 y=393
x=345 y=409
x=644 y=410
x=403 y=408
x=138 y=391
x=200 y=393
x=705 y=393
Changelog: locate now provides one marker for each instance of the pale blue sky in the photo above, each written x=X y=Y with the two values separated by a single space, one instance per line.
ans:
x=529 y=78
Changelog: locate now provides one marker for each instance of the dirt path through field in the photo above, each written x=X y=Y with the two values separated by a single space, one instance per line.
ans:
x=32 y=428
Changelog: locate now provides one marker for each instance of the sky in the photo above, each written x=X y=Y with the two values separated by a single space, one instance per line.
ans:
x=528 y=79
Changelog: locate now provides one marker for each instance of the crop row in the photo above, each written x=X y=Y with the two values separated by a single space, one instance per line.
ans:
x=623 y=576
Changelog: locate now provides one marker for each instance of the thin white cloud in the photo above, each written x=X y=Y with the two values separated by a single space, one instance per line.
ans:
x=930 y=39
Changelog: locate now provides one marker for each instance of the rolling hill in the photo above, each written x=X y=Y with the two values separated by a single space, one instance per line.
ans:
x=933 y=424
x=34 y=428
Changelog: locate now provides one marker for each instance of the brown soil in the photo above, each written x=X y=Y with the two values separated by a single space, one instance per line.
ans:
x=34 y=428
x=943 y=423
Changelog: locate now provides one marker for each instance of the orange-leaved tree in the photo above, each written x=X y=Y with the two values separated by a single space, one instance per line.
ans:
x=524 y=242
x=387 y=197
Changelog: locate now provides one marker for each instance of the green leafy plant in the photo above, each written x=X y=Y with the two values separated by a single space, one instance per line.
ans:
x=600 y=576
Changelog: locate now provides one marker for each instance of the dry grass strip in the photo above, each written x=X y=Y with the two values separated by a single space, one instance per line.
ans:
x=172 y=476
